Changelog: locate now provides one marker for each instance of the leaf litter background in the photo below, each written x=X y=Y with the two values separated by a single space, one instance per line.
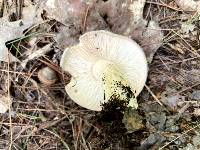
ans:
x=33 y=34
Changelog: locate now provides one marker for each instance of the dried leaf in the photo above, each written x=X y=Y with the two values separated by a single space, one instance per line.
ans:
x=4 y=104
x=15 y=29
x=65 y=11
x=67 y=36
x=1 y=2
x=80 y=13
x=36 y=54
x=187 y=27
x=150 y=39
x=195 y=95
x=126 y=17
x=176 y=47
x=196 y=111
x=30 y=13
x=76 y=15
x=170 y=99
x=187 y=5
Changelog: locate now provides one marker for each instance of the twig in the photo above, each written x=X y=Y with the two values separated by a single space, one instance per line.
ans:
x=164 y=5
x=188 y=88
x=55 y=134
x=153 y=95
x=49 y=124
x=30 y=35
x=192 y=49
x=36 y=54
x=51 y=65
x=9 y=104
x=85 y=18
x=179 y=136
x=16 y=72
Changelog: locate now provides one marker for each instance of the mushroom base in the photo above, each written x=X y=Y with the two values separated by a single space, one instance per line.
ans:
x=113 y=128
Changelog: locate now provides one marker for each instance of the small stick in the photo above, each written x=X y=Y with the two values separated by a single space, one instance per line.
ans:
x=85 y=18
x=183 y=133
x=153 y=95
x=9 y=103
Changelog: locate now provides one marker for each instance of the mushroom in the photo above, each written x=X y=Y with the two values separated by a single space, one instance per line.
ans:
x=47 y=76
x=104 y=64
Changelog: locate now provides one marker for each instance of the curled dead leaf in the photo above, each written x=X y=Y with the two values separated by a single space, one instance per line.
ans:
x=197 y=112
x=126 y=17
x=15 y=29
x=187 y=5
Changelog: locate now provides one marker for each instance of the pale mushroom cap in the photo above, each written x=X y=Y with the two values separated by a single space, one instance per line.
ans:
x=47 y=76
x=87 y=63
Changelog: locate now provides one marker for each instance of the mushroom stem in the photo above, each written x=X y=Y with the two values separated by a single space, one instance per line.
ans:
x=114 y=82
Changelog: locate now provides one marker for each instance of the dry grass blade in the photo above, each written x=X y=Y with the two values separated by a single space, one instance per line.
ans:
x=49 y=124
x=184 y=133
x=9 y=103
x=153 y=95
x=56 y=135
x=164 y=5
